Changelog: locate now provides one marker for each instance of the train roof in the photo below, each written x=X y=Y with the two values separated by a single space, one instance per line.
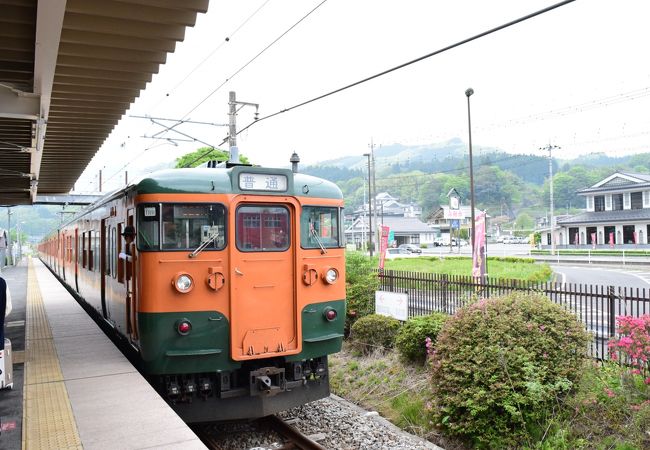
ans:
x=234 y=180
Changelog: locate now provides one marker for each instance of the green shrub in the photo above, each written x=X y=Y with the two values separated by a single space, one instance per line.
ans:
x=501 y=364
x=374 y=332
x=361 y=284
x=410 y=341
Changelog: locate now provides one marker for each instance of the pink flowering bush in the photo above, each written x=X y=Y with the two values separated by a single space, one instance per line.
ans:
x=417 y=336
x=633 y=344
x=501 y=365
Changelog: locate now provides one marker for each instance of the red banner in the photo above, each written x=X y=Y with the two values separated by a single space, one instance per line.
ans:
x=611 y=239
x=593 y=240
x=636 y=237
x=383 y=245
x=478 y=253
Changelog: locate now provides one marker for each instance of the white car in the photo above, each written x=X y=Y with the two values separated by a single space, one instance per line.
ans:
x=397 y=253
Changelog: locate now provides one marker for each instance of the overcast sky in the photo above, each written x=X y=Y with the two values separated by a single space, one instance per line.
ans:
x=577 y=77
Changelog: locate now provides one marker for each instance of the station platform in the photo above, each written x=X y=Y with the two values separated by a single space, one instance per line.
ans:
x=73 y=388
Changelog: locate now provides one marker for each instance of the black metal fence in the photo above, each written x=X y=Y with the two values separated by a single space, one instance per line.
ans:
x=596 y=306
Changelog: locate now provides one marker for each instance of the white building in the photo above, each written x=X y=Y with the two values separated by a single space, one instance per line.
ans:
x=618 y=212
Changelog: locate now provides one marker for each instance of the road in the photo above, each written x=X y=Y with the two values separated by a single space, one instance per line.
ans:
x=620 y=276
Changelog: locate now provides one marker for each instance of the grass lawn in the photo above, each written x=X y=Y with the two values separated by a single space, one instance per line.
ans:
x=512 y=268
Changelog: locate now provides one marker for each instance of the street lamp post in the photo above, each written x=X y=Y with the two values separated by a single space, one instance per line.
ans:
x=369 y=202
x=468 y=93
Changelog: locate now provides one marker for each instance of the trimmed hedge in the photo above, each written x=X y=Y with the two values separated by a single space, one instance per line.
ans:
x=410 y=341
x=374 y=332
x=361 y=283
x=502 y=364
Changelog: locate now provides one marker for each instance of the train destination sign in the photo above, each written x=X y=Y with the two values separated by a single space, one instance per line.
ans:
x=262 y=182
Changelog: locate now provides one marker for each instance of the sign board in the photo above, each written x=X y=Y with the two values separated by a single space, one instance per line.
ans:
x=454 y=214
x=262 y=182
x=455 y=224
x=392 y=304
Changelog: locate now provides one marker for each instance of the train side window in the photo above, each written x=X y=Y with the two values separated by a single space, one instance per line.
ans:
x=319 y=225
x=148 y=227
x=262 y=228
x=113 y=251
x=186 y=226
x=84 y=249
x=90 y=251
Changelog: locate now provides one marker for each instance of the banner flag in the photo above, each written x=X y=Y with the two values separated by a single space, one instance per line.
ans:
x=478 y=253
x=383 y=245
x=593 y=240
x=611 y=240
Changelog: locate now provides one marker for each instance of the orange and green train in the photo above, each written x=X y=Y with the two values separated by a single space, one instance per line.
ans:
x=233 y=293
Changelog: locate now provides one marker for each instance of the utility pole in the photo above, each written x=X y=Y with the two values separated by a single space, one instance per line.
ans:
x=374 y=188
x=550 y=147
x=369 y=156
x=232 y=124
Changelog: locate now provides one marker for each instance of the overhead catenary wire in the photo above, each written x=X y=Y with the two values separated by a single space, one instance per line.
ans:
x=408 y=63
x=260 y=53
x=221 y=44
x=393 y=69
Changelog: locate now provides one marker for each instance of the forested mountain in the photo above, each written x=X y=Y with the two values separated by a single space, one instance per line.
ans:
x=505 y=184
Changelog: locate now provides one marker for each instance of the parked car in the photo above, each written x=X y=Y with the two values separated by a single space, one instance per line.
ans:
x=411 y=248
x=397 y=253
x=439 y=242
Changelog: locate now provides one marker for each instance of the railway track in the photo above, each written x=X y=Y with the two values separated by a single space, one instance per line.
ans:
x=277 y=433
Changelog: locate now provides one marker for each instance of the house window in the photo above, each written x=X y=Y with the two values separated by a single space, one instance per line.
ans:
x=599 y=203
x=591 y=235
x=617 y=202
x=636 y=200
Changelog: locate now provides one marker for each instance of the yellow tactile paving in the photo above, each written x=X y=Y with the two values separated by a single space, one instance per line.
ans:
x=48 y=422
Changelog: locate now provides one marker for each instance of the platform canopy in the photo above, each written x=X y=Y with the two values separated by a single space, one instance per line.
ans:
x=68 y=72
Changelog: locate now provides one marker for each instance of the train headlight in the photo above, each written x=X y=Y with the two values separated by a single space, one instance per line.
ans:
x=331 y=276
x=183 y=283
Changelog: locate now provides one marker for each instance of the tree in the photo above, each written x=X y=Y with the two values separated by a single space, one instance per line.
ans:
x=524 y=224
x=205 y=154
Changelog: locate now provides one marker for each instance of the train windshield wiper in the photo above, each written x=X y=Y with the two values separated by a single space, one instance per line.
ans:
x=213 y=234
x=312 y=231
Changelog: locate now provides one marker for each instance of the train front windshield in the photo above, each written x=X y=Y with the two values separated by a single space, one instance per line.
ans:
x=181 y=226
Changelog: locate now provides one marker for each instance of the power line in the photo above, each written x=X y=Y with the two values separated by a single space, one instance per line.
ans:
x=255 y=57
x=406 y=64
x=209 y=55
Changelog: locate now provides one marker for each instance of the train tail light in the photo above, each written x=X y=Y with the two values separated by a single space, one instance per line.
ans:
x=183 y=327
x=330 y=314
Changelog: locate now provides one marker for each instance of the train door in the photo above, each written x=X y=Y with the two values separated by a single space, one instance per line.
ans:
x=263 y=311
x=76 y=259
x=132 y=281
x=64 y=251
x=103 y=266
